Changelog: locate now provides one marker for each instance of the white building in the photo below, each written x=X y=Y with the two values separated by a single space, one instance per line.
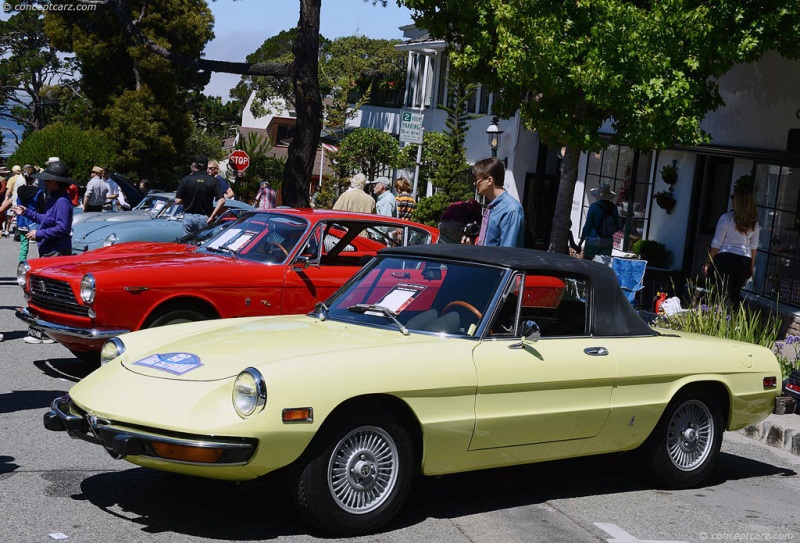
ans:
x=749 y=136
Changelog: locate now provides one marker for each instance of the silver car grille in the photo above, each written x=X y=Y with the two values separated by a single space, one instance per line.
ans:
x=54 y=295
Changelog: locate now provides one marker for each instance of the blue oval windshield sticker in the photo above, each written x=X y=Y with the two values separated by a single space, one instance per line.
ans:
x=174 y=363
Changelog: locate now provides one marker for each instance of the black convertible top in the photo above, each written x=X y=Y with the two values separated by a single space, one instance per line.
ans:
x=611 y=312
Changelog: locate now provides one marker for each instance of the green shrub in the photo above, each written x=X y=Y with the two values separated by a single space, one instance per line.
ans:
x=713 y=317
x=653 y=251
x=429 y=210
x=79 y=149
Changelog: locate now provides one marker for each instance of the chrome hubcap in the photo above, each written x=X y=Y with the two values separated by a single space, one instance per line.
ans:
x=362 y=471
x=690 y=435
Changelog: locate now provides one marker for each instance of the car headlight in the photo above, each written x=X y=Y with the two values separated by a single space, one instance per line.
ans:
x=111 y=349
x=249 y=393
x=110 y=240
x=88 y=288
x=22 y=273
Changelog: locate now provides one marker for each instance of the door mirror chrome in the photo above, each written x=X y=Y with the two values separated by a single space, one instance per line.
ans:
x=301 y=262
x=530 y=334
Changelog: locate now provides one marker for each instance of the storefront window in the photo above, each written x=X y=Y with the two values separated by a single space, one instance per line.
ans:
x=614 y=166
x=777 y=191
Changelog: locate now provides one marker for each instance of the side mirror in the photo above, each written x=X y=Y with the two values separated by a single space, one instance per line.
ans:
x=530 y=333
x=301 y=262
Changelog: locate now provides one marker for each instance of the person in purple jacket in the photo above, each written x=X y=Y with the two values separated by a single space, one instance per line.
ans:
x=53 y=237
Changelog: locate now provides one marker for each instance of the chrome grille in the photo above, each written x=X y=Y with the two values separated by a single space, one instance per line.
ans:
x=54 y=295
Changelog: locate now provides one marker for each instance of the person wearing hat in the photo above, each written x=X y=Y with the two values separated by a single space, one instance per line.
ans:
x=386 y=204
x=196 y=192
x=96 y=192
x=503 y=223
x=266 y=196
x=53 y=237
x=354 y=198
x=602 y=222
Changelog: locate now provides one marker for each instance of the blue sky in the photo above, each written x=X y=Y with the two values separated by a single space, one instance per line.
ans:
x=242 y=26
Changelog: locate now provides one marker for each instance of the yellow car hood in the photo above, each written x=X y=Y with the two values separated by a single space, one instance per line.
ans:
x=220 y=349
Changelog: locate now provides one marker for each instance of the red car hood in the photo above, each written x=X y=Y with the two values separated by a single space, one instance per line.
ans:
x=129 y=265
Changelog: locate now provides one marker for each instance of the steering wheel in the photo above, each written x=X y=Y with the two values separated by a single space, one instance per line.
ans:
x=279 y=246
x=465 y=305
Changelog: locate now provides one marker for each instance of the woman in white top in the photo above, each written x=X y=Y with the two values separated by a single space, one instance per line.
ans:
x=733 y=249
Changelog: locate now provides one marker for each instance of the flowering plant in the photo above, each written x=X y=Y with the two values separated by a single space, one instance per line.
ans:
x=787 y=359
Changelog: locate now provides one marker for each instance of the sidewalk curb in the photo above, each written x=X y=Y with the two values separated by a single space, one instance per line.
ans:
x=774 y=434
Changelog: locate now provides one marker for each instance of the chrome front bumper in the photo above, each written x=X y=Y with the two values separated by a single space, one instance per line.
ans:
x=61 y=329
x=121 y=441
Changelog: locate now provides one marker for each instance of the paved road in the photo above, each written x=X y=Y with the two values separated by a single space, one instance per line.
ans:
x=50 y=484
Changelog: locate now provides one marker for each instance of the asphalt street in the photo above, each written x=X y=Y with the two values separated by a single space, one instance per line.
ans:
x=52 y=486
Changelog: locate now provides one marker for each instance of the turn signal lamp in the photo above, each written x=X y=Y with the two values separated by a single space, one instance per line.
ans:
x=184 y=453
x=298 y=414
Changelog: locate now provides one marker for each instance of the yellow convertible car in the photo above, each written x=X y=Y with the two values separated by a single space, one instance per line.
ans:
x=433 y=360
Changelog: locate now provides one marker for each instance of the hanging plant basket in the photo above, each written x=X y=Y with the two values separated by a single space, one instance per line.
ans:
x=669 y=173
x=666 y=201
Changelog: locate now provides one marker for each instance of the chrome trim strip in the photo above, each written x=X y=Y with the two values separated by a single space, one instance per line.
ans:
x=86 y=333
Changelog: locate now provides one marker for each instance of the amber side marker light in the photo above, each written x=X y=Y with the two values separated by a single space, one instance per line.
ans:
x=770 y=382
x=204 y=455
x=298 y=414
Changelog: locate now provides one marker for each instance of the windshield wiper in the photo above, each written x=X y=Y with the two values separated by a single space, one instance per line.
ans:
x=385 y=311
x=322 y=311
x=223 y=249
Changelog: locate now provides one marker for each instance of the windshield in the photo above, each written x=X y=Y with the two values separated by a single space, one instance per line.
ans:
x=201 y=236
x=423 y=295
x=261 y=237
x=168 y=210
x=151 y=203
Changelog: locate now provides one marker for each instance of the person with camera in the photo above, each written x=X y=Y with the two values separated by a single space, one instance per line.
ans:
x=503 y=223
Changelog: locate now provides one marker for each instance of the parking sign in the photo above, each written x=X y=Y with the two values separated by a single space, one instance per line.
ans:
x=411 y=127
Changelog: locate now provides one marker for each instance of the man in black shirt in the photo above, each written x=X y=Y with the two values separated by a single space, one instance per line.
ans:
x=197 y=192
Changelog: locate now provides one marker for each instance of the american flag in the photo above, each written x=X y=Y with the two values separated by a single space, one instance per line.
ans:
x=330 y=148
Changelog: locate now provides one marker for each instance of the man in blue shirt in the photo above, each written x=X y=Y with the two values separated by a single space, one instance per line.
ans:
x=503 y=219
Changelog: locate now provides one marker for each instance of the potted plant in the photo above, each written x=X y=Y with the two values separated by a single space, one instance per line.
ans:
x=665 y=200
x=651 y=250
x=669 y=173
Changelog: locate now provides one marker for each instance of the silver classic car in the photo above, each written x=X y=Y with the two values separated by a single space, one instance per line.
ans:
x=164 y=222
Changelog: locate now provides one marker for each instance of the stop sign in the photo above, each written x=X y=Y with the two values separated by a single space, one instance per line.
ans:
x=239 y=161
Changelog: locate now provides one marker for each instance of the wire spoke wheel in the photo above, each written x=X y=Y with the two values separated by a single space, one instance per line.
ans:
x=690 y=435
x=363 y=469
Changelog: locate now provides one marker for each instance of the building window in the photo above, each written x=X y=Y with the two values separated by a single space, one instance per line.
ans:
x=777 y=192
x=614 y=166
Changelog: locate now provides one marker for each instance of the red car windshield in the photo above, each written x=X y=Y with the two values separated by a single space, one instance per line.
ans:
x=261 y=237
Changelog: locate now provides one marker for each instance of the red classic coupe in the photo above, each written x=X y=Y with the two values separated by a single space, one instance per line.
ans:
x=273 y=262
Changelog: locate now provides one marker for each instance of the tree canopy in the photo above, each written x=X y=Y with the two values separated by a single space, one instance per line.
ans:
x=648 y=68
x=123 y=78
x=32 y=74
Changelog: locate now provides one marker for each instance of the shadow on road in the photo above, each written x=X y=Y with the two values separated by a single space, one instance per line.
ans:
x=7 y=464
x=163 y=502
x=71 y=369
x=22 y=400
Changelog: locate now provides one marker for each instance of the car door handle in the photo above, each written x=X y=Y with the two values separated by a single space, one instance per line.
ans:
x=596 y=351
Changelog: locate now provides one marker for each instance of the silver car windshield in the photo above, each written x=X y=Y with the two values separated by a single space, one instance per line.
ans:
x=422 y=295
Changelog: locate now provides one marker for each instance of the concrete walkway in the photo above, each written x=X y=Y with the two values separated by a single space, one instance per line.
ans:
x=779 y=431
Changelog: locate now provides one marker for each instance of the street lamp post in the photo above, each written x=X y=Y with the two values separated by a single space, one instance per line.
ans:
x=495 y=133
